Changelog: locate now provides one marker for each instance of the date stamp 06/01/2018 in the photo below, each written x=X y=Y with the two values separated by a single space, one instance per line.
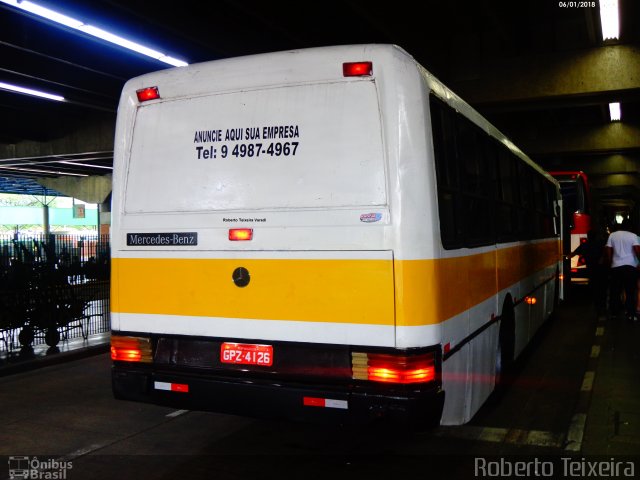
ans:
x=563 y=4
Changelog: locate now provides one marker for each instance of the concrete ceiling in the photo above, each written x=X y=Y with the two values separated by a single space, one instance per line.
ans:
x=539 y=71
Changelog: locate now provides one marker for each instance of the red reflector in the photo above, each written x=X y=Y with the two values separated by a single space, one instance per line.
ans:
x=239 y=234
x=179 y=387
x=150 y=93
x=357 y=69
x=171 y=387
x=325 y=403
x=313 y=402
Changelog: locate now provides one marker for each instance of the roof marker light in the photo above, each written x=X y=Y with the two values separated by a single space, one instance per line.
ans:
x=149 y=93
x=357 y=69
x=240 y=234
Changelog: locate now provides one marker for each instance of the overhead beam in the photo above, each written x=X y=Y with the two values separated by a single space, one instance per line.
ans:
x=91 y=137
x=610 y=71
x=93 y=189
x=596 y=165
x=615 y=180
x=616 y=137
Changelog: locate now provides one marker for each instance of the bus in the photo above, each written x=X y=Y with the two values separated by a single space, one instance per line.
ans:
x=574 y=188
x=322 y=235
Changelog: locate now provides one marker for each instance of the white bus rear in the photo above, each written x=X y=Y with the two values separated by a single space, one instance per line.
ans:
x=276 y=246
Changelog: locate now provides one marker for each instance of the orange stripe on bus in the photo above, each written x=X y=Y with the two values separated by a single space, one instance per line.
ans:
x=425 y=292
x=431 y=291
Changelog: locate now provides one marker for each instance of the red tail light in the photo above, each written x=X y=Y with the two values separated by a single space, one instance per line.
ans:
x=357 y=69
x=240 y=234
x=402 y=369
x=131 y=349
x=149 y=93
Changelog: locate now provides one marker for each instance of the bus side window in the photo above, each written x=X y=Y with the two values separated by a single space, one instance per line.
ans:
x=447 y=173
x=539 y=201
x=476 y=201
x=489 y=185
x=506 y=204
x=552 y=213
x=525 y=206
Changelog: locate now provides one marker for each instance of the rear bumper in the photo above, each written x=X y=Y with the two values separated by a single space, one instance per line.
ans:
x=282 y=400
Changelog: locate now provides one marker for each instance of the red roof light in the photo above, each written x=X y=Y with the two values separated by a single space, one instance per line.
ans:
x=357 y=69
x=149 y=93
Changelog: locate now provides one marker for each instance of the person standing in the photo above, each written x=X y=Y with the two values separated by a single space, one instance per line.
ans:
x=623 y=252
x=597 y=269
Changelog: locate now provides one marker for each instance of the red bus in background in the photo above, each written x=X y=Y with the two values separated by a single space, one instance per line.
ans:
x=574 y=187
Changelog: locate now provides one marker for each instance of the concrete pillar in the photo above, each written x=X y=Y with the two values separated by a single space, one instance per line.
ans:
x=45 y=220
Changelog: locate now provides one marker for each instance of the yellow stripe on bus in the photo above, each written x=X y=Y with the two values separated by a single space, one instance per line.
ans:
x=425 y=292
x=341 y=291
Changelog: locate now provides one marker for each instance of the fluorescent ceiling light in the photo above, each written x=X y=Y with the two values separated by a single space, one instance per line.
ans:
x=93 y=31
x=36 y=170
x=614 y=111
x=29 y=91
x=85 y=165
x=609 y=19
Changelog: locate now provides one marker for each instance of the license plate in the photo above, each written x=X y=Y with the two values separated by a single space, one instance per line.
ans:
x=246 y=354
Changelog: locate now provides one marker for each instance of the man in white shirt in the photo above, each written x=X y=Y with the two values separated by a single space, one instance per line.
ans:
x=623 y=254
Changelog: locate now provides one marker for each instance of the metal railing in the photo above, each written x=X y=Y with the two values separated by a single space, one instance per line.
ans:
x=52 y=288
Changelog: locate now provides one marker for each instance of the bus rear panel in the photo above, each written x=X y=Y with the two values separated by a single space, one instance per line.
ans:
x=253 y=261
x=314 y=235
